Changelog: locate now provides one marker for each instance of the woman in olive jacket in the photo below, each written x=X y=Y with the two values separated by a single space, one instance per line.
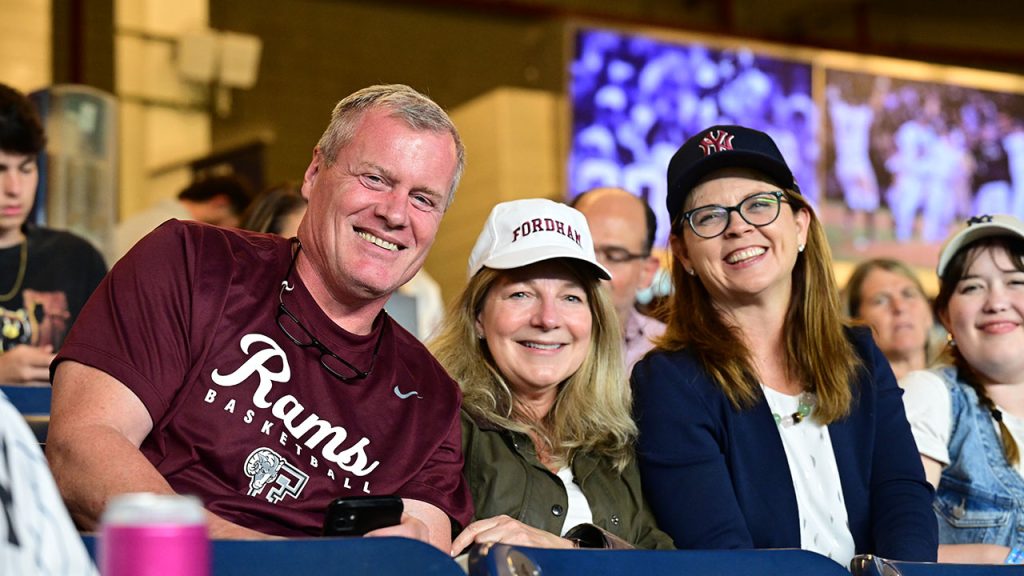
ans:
x=547 y=431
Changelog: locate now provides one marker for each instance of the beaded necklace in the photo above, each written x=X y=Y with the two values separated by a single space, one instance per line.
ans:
x=806 y=403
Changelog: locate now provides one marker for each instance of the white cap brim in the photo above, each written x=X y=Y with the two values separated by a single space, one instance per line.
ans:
x=522 y=232
x=522 y=258
x=977 y=228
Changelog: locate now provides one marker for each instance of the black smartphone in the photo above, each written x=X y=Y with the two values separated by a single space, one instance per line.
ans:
x=357 y=515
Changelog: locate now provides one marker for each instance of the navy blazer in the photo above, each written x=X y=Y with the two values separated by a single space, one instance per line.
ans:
x=717 y=477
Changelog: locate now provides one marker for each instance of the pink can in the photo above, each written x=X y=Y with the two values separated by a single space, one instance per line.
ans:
x=154 y=535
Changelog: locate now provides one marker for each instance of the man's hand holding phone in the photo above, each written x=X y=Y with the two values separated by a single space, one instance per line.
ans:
x=362 y=515
x=389 y=516
x=409 y=527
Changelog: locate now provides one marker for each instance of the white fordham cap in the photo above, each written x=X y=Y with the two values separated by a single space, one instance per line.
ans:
x=524 y=232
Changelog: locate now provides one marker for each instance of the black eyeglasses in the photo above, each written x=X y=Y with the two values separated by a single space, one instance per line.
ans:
x=303 y=338
x=760 y=209
x=617 y=255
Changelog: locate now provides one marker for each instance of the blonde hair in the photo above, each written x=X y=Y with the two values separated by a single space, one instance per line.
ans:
x=592 y=411
x=854 y=291
x=416 y=110
x=853 y=294
x=818 y=352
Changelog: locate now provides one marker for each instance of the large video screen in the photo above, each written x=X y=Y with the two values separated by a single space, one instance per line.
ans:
x=908 y=160
x=635 y=99
x=893 y=154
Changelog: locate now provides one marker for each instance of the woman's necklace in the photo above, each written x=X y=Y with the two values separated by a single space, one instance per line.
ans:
x=21 y=274
x=806 y=403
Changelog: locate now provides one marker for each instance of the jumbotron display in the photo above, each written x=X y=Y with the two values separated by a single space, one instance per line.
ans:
x=891 y=153
x=635 y=99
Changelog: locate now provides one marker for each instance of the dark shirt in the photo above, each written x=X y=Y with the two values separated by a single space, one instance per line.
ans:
x=243 y=417
x=718 y=477
x=60 y=272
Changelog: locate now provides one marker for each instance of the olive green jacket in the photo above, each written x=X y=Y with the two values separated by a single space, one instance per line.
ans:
x=506 y=477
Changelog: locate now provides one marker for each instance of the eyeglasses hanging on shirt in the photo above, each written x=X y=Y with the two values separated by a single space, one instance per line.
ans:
x=303 y=338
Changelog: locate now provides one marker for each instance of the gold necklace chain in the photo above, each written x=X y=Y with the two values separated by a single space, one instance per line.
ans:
x=21 y=273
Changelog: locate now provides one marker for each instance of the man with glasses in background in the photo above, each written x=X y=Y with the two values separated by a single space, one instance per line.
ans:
x=623 y=227
x=262 y=374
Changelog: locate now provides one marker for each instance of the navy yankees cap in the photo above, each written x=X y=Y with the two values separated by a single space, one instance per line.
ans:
x=720 y=147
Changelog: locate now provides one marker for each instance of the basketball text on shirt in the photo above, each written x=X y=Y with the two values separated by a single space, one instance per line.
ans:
x=287 y=410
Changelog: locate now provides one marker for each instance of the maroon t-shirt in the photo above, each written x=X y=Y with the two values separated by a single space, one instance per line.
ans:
x=243 y=417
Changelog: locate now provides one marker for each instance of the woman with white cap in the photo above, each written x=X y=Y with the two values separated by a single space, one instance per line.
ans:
x=765 y=422
x=547 y=431
x=968 y=416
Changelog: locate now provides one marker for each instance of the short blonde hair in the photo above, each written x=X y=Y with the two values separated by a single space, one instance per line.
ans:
x=417 y=110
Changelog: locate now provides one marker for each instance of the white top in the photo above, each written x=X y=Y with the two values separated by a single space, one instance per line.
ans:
x=36 y=533
x=824 y=525
x=930 y=413
x=579 y=508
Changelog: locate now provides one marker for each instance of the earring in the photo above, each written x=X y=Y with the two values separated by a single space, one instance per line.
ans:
x=691 y=272
x=800 y=248
x=950 y=341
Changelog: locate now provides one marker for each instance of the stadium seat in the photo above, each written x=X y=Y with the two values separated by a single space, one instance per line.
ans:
x=324 y=557
x=868 y=565
x=34 y=404
x=507 y=560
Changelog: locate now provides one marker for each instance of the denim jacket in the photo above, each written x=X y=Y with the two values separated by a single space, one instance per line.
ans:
x=980 y=497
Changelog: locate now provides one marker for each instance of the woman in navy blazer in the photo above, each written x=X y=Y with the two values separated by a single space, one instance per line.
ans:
x=764 y=421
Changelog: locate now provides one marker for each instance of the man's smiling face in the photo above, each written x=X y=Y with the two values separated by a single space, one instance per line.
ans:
x=375 y=210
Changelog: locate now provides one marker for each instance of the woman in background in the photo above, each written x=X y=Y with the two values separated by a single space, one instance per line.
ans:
x=764 y=422
x=277 y=210
x=968 y=416
x=547 y=432
x=887 y=296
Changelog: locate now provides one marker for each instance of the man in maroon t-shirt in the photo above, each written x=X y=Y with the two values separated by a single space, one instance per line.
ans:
x=261 y=374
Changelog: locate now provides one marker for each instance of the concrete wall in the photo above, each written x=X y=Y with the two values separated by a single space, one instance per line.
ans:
x=25 y=44
x=164 y=120
x=512 y=151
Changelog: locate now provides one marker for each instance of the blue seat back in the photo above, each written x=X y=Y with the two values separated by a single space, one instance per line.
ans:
x=324 y=557
x=34 y=404
x=29 y=399
x=506 y=560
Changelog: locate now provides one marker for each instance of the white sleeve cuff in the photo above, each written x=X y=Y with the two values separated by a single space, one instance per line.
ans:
x=929 y=411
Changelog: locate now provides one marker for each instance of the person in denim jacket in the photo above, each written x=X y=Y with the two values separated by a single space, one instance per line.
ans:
x=968 y=416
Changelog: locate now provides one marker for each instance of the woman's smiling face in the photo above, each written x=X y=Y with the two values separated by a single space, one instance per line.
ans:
x=985 y=316
x=745 y=260
x=537 y=323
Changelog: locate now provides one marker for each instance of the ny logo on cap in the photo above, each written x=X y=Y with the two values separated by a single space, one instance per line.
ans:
x=983 y=219
x=715 y=141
